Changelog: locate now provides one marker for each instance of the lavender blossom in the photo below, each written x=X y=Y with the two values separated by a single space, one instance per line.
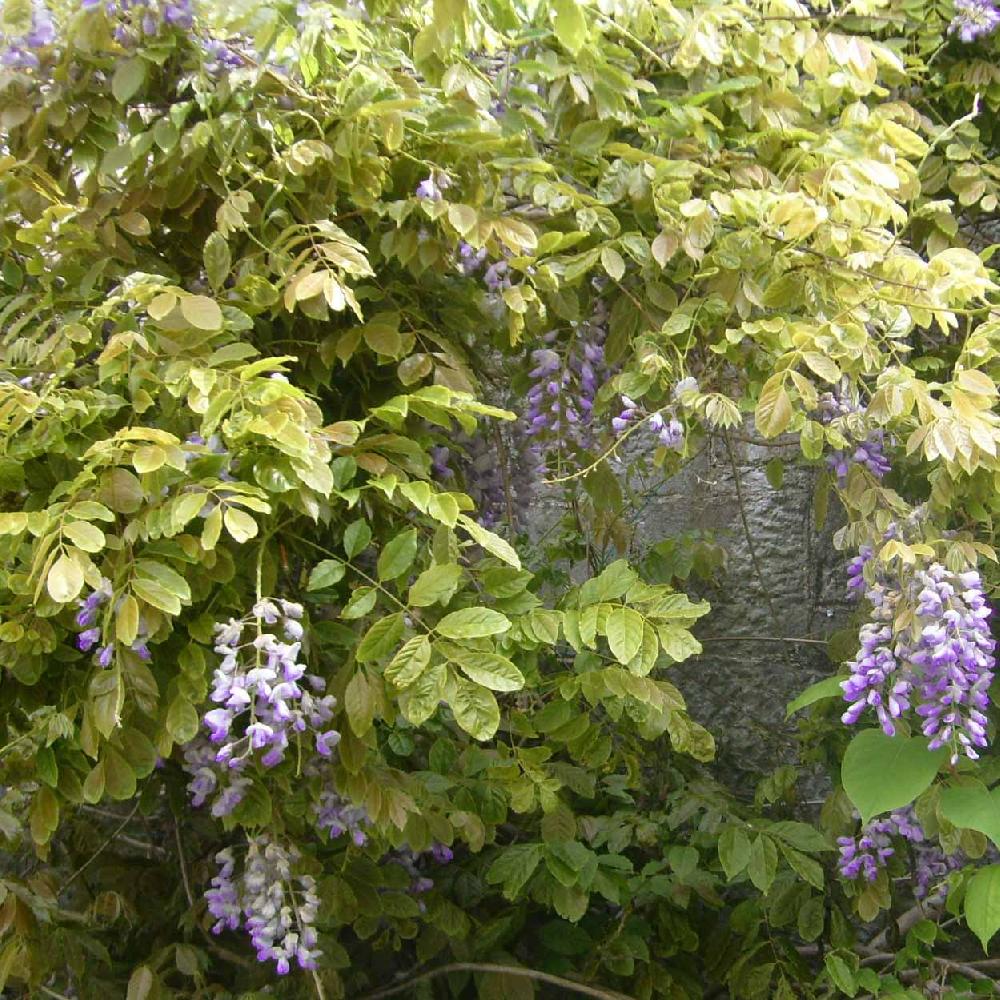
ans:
x=276 y=905
x=974 y=19
x=337 y=816
x=19 y=45
x=944 y=661
x=470 y=260
x=138 y=19
x=955 y=659
x=868 y=451
x=559 y=414
x=873 y=847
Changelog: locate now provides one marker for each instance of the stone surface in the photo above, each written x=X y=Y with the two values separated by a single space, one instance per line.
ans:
x=739 y=686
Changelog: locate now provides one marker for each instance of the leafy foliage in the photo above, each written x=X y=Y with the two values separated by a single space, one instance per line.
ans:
x=243 y=325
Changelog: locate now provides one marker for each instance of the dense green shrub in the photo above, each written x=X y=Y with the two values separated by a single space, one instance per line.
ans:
x=302 y=310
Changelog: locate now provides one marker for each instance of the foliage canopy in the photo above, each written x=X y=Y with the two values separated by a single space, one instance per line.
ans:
x=309 y=305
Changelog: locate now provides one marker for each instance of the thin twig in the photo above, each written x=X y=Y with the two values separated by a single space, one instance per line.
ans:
x=183 y=864
x=52 y=993
x=510 y=970
x=114 y=833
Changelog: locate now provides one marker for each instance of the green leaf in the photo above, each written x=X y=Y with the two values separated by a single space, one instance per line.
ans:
x=624 y=632
x=882 y=772
x=127 y=620
x=239 y=524
x=472 y=623
x=612 y=262
x=610 y=585
x=65 y=579
x=218 y=260
x=182 y=720
x=140 y=983
x=763 y=862
x=362 y=601
x=201 y=312
x=46 y=767
x=119 y=778
x=381 y=638
x=438 y=583
x=734 y=850
x=841 y=974
x=420 y=700
x=829 y=687
x=570 y=24
x=409 y=663
x=357 y=537
x=512 y=868
x=973 y=807
x=84 y=535
x=476 y=710
x=93 y=785
x=463 y=217
x=130 y=75
x=982 y=904
x=325 y=574
x=494 y=544
x=588 y=139
x=774 y=407
x=811 y=918
x=359 y=703
x=396 y=557
x=489 y=669
x=808 y=868
x=775 y=472
x=826 y=368
x=443 y=507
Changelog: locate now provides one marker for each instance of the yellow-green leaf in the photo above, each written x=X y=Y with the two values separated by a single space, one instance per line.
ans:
x=65 y=579
x=201 y=312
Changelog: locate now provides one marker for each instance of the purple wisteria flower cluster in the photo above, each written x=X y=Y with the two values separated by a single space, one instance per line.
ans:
x=257 y=686
x=863 y=856
x=501 y=485
x=470 y=260
x=410 y=860
x=92 y=634
x=868 y=450
x=19 y=45
x=663 y=423
x=138 y=19
x=336 y=815
x=276 y=904
x=565 y=379
x=943 y=663
x=433 y=186
x=974 y=19
x=266 y=698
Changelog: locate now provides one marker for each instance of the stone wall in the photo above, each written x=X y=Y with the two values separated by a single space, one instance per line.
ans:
x=739 y=686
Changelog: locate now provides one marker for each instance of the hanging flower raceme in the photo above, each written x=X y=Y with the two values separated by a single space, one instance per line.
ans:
x=565 y=379
x=336 y=816
x=865 y=855
x=138 y=19
x=92 y=637
x=663 y=423
x=943 y=663
x=867 y=448
x=265 y=696
x=276 y=904
x=955 y=659
x=974 y=19
x=22 y=37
